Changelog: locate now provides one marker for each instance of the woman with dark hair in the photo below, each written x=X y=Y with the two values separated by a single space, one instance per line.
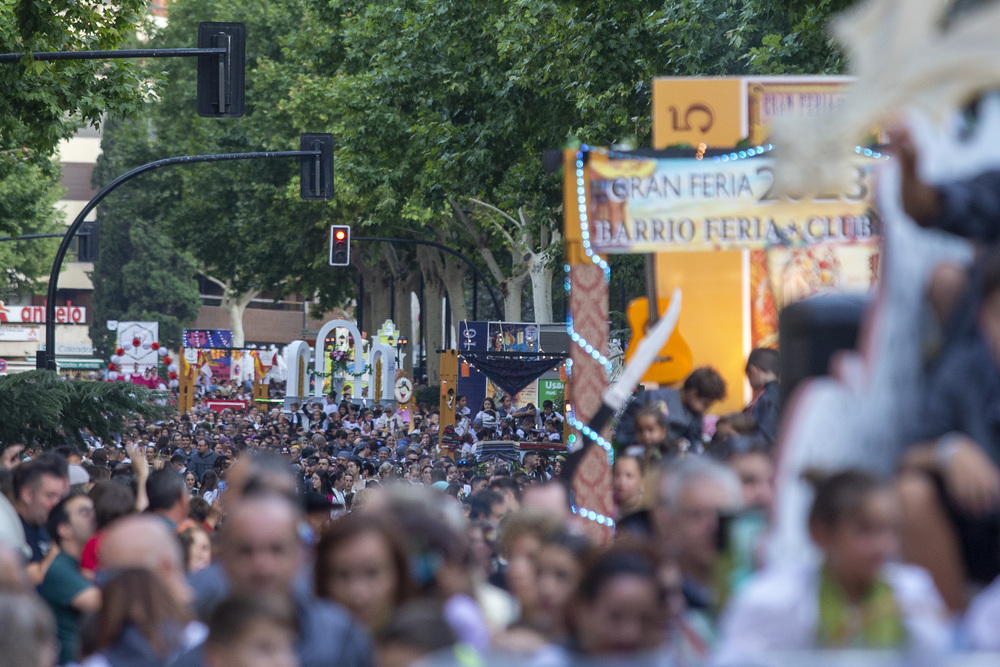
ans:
x=362 y=564
x=319 y=482
x=140 y=622
x=619 y=610
x=487 y=415
x=209 y=489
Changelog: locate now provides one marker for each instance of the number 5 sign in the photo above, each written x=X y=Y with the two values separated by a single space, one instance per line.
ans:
x=698 y=110
x=721 y=112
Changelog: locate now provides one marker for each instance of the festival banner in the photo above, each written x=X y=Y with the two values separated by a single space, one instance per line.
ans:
x=219 y=363
x=648 y=206
x=218 y=404
x=207 y=338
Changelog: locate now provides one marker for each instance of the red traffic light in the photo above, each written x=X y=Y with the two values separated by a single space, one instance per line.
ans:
x=340 y=245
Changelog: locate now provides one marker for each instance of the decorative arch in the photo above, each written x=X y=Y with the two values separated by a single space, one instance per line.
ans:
x=388 y=354
x=297 y=369
x=359 y=355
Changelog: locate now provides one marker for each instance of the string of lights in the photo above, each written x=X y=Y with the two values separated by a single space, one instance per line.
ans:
x=575 y=336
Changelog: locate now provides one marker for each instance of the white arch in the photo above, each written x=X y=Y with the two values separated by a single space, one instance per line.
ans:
x=359 y=355
x=388 y=355
x=297 y=380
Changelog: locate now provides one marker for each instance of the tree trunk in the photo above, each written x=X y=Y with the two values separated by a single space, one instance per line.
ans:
x=235 y=305
x=454 y=281
x=513 y=287
x=541 y=289
x=380 y=299
x=431 y=268
x=405 y=287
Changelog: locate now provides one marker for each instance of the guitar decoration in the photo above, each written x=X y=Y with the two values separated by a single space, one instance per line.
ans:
x=674 y=361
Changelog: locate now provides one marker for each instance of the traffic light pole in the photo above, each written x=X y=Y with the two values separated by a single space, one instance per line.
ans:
x=49 y=358
x=221 y=55
x=493 y=296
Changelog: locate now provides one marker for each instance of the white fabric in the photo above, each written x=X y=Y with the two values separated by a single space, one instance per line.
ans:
x=981 y=629
x=778 y=612
x=11 y=528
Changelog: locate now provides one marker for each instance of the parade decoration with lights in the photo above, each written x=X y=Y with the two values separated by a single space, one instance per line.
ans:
x=579 y=340
x=594 y=516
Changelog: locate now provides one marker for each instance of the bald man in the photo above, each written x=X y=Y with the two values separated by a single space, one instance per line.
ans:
x=144 y=541
x=261 y=552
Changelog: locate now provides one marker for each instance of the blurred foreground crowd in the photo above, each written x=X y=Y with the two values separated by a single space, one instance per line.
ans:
x=255 y=539
x=348 y=536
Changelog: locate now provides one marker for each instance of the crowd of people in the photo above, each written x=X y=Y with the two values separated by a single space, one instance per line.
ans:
x=345 y=534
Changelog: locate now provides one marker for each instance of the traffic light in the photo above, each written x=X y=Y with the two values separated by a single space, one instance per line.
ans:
x=340 y=245
x=316 y=171
x=221 y=77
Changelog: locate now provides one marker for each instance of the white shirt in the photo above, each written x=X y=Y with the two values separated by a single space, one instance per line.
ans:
x=981 y=628
x=778 y=612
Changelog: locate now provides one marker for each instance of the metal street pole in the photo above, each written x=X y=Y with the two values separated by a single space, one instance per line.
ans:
x=49 y=357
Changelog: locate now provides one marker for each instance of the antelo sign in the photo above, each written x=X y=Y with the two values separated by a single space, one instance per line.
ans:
x=36 y=314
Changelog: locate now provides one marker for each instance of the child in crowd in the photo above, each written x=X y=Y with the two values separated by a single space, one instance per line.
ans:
x=855 y=598
x=628 y=484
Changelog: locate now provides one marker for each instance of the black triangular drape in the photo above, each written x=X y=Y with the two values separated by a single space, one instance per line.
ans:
x=512 y=371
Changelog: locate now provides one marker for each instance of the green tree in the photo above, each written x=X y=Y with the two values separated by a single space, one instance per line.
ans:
x=39 y=407
x=442 y=109
x=242 y=222
x=757 y=37
x=42 y=103
x=138 y=274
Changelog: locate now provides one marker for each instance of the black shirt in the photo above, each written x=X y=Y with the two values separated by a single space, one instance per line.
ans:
x=38 y=539
x=963 y=396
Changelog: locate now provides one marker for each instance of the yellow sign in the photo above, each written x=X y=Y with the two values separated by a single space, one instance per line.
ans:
x=795 y=97
x=699 y=110
x=721 y=112
x=642 y=206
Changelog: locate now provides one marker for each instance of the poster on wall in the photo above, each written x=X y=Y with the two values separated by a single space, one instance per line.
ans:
x=527 y=395
x=552 y=390
x=780 y=276
x=513 y=337
x=143 y=356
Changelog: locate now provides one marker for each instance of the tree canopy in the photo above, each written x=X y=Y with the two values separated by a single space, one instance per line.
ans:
x=138 y=275
x=39 y=407
x=42 y=103
x=441 y=111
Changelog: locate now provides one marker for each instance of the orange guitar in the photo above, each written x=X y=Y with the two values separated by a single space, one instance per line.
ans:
x=674 y=362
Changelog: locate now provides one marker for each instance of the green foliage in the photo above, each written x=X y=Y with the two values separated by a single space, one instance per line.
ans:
x=242 y=222
x=749 y=37
x=138 y=275
x=38 y=407
x=42 y=103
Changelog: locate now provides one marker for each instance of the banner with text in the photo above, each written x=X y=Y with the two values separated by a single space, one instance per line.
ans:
x=648 y=205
